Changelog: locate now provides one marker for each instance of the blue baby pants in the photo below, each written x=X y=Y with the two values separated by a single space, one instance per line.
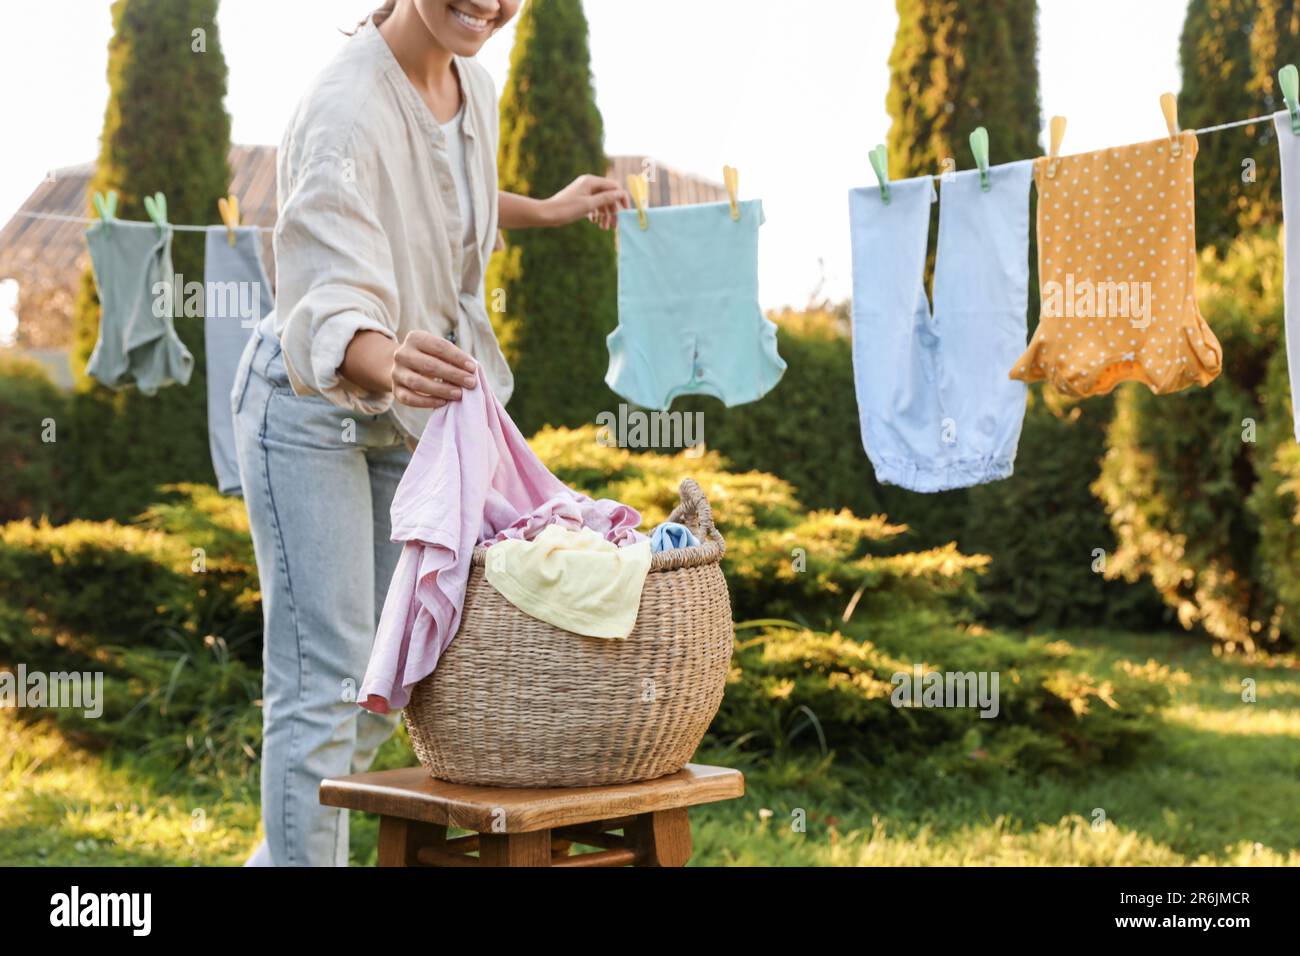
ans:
x=936 y=408
x=689 y=319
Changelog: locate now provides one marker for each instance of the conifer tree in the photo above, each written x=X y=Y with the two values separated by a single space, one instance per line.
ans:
x=552 y=292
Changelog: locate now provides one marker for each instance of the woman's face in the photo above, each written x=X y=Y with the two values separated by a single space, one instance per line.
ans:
x=462 y=26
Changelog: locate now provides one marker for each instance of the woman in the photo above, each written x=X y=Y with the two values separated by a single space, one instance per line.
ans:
x=388 y=212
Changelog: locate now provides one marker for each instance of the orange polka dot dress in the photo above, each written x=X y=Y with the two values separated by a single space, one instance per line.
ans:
x=1117 y=273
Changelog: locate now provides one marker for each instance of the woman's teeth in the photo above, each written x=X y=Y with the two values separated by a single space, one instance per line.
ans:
x=474 y=23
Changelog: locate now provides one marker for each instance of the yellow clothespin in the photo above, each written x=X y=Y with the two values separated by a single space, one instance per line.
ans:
x=731 y=176
x=229 y=206
x=1169 y=106
x=640 y=190
x=1057 y=134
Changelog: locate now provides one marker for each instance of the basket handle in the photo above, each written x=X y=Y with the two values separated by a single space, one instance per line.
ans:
x=694 y=510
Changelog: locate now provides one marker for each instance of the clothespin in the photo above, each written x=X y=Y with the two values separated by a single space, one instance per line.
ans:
x=1289 y=80
x=156 y=207
x=640 y=190
x=979 y=145
x=106 y=207
x=229 y=206
x=880 y=164
x=1057 y=134
x=1169 y=106
x=731 y=176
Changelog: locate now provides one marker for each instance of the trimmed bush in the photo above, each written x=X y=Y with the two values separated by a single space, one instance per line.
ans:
x=33 y=417
x=186 y=566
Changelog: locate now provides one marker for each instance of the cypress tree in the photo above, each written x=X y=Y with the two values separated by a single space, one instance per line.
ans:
x=1221 y=83
x=956 y=66
x=165 y=129
x=553 y=290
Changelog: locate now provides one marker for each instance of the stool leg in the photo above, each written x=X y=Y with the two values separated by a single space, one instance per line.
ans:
x=661 y=838
x=400 y=839
x=515 y=849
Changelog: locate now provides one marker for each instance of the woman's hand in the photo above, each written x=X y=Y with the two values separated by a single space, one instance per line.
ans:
x=597 y=198
x=429 y=372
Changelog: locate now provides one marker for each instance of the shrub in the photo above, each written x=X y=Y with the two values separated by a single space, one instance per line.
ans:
x=1052 y=714
x=32 y=411
x=186 y=565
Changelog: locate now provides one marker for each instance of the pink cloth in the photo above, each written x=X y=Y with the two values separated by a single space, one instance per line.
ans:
x=472 y=478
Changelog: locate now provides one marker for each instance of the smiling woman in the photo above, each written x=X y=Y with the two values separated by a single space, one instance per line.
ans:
x=388 y=211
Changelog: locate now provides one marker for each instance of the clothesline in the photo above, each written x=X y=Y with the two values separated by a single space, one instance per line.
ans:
x=87 y=220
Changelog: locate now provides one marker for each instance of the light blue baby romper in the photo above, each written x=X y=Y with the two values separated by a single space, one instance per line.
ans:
x=136 y=344
x=689 y=319
x=936 y=408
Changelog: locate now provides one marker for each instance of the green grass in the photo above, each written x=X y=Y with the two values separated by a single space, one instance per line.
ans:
x=1220 y=785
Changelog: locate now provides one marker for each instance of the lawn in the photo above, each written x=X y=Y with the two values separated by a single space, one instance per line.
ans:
x=1220 y=785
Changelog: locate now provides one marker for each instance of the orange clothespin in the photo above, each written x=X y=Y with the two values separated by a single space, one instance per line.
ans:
x=229 y=207
x=1169 y=106
x=1057 y=134
x=731 y=176
x=640 y=190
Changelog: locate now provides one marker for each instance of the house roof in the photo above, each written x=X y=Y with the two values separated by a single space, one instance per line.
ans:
x=50 y=254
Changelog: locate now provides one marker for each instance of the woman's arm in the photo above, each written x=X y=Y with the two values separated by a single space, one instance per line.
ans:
x=424 y=371
x=597 y=198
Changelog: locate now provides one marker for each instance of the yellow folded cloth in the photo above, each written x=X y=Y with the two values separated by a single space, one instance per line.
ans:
x=575 y=580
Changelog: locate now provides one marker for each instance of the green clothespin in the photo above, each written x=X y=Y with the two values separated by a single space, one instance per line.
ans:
x=106 y=207
x=1289 y=80
x=880 y=163
x=156 y=207
x=979 y=145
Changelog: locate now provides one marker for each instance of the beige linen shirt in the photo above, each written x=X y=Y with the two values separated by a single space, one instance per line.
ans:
x=369 y=234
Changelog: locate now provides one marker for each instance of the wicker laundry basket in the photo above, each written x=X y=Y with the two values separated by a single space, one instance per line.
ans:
x=517 y=702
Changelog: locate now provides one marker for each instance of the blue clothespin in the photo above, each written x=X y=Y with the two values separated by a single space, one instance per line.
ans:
x=880 y=163
x=106 y=207
x=156 y=207
x=979 y=145
x=1289 y=80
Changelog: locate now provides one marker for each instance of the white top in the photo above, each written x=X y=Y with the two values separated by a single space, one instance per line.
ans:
x=371 y=234
x=454 y=132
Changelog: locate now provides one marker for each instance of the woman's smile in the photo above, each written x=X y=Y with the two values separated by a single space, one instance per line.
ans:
x=469 y=22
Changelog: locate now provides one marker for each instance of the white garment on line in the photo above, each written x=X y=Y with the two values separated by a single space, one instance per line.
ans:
x=1288 y=148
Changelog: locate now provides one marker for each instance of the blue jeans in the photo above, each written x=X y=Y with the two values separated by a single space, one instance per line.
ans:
x=318 y=481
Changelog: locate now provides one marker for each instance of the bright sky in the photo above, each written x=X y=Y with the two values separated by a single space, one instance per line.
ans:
x=793 y=98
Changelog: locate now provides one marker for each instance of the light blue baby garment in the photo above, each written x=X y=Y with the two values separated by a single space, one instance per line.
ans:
x=689 y=319
x=137 y=341
x=237 y=296
x=670 y=536
x=1288 y=147
x=937 y=410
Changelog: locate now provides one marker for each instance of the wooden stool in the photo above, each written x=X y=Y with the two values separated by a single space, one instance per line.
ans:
x=522 y=827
